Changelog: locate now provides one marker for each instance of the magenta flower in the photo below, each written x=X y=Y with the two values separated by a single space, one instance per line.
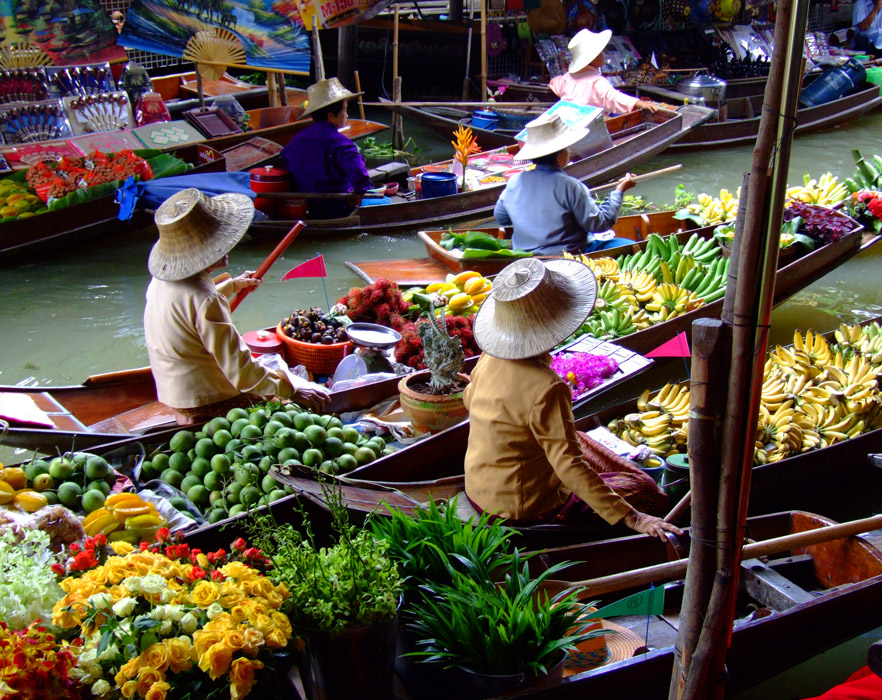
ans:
x=583 y=371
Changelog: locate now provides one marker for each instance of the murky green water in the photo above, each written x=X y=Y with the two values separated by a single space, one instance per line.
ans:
x=80 y=313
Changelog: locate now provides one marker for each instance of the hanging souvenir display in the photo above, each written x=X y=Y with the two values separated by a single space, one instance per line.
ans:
x=582 y=14
x=34 y=122
x=100 y=112
x=80 y=80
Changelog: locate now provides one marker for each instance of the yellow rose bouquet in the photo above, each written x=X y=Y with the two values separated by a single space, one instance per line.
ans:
x=167 y=620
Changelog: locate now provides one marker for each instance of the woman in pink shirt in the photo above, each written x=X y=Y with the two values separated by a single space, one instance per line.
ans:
x=584 y=84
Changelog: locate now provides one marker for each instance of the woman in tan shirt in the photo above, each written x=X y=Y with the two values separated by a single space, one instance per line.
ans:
x=524 y=461
x=200 y=363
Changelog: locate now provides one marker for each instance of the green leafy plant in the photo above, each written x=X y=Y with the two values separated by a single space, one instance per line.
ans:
x=369 y=148
x=477 y=244
x=635 y=204
x=350 y=584
x=432 y=544
x=682 y=198
x=506 y=628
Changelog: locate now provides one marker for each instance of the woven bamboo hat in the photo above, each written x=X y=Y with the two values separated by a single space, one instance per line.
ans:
x=533 y=306
x=548 y=135
x=585 y=47
x=196 y=231
x=325 y=93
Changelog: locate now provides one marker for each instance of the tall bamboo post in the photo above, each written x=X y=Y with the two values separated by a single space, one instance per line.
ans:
x=272 y=90
x=397 y=128
x=749 y=321
x=484 y=50
x=317 y=49
x=468 y=66
x=360 y=100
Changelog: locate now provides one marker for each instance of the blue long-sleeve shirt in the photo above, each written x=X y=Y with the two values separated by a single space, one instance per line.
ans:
x=551 y=211
x=321 y=159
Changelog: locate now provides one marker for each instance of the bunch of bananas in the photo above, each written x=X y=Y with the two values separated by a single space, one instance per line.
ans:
x=461 y=294
x=660 y=423
x=713 y=210
x=812 y=397
x=125 y=516
x=868 y=175
x=663 y=275
x=826 y=190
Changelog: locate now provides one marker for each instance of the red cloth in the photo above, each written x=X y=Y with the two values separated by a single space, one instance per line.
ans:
x=861 y=685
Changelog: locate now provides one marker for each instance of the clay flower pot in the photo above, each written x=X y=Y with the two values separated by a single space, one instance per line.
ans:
x=430 y=413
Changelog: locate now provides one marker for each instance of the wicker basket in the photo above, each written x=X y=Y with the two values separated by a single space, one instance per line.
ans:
x=317 y=358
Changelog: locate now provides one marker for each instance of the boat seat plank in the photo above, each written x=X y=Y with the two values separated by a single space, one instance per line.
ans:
x=138 y=420
x=769 y=588
x=405 y=273
x=68 y=423
x=46 y=402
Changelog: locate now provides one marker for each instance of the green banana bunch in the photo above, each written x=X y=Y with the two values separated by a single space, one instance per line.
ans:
x=868 y=175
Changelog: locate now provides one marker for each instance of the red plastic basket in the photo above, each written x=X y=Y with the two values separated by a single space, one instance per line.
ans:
x=317 y=358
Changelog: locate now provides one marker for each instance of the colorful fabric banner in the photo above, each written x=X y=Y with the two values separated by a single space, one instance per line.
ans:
x=650 y=602
x=311 y=268
x=68 y=32
x=271 y=32
x=339 y=13
x=677 y=346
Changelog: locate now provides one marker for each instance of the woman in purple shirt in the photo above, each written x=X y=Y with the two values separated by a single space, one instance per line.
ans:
x=321 y=159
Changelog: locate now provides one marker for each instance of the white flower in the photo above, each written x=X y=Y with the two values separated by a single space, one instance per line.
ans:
x=214 y=610
x=124 y=606
x=101 y=688
x=175 y=612
x=167 y=595
x=110 y=652
x=100 y=601
x=133 y=584
x=152 y=583
x=87 y=657
x=189 y=623
x=165 y=629
x=160 y=612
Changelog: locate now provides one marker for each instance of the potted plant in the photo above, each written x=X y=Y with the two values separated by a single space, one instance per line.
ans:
x=344 y=602
x=433 y=399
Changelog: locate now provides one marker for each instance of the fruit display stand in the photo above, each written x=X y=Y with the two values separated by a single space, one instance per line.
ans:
x=316 y=357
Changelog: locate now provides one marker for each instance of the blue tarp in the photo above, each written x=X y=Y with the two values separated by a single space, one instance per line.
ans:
x=152 y=193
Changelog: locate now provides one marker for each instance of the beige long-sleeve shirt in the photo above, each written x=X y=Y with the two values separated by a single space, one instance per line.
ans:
x=523 y=459
x=197 y=355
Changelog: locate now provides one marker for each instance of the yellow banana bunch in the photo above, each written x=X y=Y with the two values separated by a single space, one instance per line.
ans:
x=641 y=283
x=660 y=423
x=670 y=300
x=611 y=295
x=603 y=268
x=826 y=190
x=715 y=210
x=814 y=346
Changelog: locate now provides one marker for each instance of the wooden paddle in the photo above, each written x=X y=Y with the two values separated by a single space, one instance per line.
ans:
x=268 y=263
x=677 y=569
x=637 y=178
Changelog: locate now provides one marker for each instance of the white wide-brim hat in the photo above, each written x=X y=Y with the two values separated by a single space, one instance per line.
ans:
x=585 y=47
x=325 y=93
x=195 y=231
x=547 y=135
x=534 y=306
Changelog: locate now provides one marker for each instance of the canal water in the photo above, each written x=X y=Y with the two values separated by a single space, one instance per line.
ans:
x=79 y=312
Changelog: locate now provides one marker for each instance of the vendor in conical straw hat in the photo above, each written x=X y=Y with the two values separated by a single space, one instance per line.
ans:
x=524 y=461
x=551 y=211
x=321 y=158
x=201 y=365
x=583 y=83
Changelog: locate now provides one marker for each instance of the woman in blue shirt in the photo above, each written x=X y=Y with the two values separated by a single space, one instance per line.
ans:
x=552 y=212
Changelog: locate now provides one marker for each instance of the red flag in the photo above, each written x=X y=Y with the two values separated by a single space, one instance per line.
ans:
x=675 y=347
x=311 y=268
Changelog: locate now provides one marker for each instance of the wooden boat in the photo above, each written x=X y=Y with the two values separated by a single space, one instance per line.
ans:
x=636 y=137
x=55 y=230
x=180 y=91
x=440 y=261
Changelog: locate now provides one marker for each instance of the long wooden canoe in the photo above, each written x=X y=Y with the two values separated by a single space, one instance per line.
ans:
x=440 y=262
x=62 y=228
x=636 y=136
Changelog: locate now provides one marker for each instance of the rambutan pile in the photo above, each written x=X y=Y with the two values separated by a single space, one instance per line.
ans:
x=380 y=302
x=409 y=350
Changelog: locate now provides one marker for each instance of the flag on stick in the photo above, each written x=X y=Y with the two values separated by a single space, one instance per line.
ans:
x=311 y=268
x=649 y=602
x=677 y=346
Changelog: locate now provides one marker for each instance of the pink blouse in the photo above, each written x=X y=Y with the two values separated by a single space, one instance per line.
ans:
x=591 y=88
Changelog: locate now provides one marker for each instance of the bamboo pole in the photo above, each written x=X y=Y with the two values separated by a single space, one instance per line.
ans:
x=395 y=26
x=272 y=90
x=707 y=396
x=360 y=100
x=484 y=50
x=317 y=49
x=397 y=134
x=200 y=93
x=751 y=310
x=673 y=570
x=466 y=105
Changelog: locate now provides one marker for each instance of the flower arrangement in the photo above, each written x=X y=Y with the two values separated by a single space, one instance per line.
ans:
x=380 y=302
x=409 y=350
x=167 y=619
x=866 y=207
x=60 y=178
x=464 y=144
x=583 y=371
x=28 y=589
x=36 y=666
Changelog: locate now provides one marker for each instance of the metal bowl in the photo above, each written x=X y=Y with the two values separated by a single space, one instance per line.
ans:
x=372 y=335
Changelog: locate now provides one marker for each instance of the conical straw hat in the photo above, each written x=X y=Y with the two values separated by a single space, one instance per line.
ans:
x=324 y=93
x=534 y=305
x=548 y=135
x=196 y=231
x=585 y=47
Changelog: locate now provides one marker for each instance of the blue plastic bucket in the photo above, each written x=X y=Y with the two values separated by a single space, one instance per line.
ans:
x=437 y=184
x=485 y=119
x=833 y=83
